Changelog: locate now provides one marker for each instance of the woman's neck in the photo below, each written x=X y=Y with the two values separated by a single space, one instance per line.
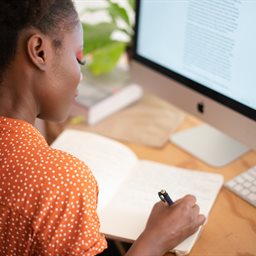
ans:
x=16 y=104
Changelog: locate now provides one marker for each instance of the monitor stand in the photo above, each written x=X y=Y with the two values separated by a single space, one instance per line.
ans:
x=209 y=145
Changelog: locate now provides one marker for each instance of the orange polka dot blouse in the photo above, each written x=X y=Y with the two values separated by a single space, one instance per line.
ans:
x=48 y=198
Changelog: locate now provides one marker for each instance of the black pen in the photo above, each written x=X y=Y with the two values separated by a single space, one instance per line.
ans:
x=165 y=197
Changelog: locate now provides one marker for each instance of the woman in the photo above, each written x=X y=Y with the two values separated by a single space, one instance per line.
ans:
x=48 y=198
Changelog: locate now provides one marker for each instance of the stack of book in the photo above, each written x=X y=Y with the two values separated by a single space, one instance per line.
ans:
x=101 y=96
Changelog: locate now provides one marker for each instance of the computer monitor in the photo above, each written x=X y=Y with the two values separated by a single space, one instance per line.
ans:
x=201 y=56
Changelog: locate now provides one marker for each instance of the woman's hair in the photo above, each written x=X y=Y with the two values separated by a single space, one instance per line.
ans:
x=49 y=16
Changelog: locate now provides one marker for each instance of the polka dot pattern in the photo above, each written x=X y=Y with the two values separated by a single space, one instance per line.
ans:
x=48 y=198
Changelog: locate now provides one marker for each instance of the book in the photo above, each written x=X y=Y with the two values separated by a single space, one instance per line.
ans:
x=128 y=186
x=103 y=95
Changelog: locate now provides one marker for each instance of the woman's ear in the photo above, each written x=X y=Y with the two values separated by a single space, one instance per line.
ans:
x=38 y=49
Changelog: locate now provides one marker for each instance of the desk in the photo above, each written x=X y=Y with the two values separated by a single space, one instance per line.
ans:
x=231 y=227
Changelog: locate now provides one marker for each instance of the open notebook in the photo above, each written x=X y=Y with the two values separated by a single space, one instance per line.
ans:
x=128 y=186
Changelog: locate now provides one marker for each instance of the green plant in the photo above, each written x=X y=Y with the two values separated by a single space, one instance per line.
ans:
x=102 y=50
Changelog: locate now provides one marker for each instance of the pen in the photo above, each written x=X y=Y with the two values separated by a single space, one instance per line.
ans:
x=165 y=197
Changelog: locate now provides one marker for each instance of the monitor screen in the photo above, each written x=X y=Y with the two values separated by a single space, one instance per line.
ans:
x=201 y=53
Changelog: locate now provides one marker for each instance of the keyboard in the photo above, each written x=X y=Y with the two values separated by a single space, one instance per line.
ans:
x=244 y=185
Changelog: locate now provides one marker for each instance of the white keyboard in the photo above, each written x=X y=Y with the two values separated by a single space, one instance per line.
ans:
x=244 y=185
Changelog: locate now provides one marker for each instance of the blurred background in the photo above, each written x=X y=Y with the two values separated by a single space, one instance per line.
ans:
x=108 y=32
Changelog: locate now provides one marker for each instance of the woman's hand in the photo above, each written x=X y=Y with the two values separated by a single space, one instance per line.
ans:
x=168 y=226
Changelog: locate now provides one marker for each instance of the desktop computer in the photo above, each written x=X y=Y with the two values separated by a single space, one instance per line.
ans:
x=201 y=56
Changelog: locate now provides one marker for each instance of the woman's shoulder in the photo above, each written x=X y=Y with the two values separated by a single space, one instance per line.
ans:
x=67 y=167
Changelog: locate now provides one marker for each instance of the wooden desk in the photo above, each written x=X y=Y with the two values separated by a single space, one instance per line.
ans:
x=231 y=227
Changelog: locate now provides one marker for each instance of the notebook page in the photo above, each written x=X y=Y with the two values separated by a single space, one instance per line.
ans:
x=135 y=199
